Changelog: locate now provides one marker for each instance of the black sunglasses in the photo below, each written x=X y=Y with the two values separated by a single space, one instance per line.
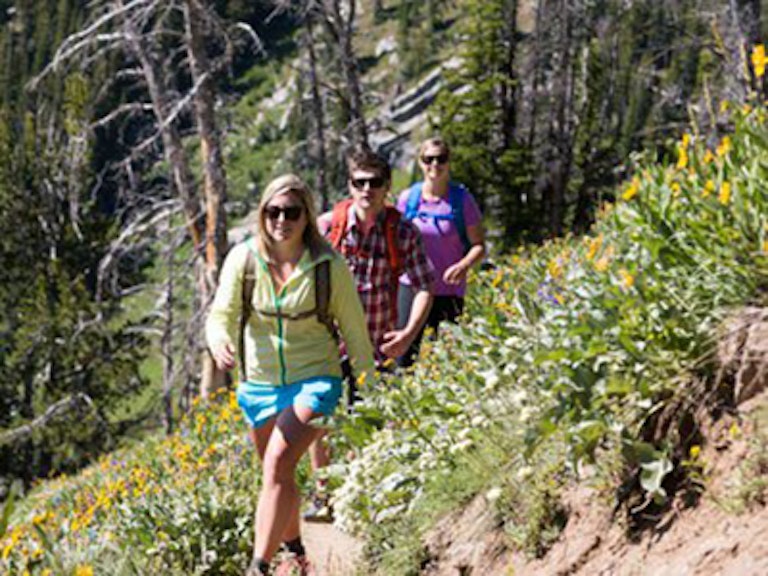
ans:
x=291 y=213
x=440 y=159
x=375 y=182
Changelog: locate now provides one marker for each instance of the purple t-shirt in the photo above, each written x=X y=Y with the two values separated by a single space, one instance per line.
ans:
x=441 y=238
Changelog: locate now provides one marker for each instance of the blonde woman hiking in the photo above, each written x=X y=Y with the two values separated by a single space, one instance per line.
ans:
x=285 y=289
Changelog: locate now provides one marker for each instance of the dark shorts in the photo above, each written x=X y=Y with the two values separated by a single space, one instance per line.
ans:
x=444 y=309
x=260 y=402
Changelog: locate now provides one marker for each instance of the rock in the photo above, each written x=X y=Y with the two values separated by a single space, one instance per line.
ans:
x=385 y=46
x=743 y=352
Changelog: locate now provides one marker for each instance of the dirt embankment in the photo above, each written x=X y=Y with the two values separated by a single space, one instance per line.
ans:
x=725 y=533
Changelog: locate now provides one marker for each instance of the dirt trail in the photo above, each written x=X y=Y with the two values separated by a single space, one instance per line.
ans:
x=332 y=552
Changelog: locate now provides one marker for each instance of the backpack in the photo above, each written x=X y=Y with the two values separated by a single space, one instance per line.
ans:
x=322 y=299
x=395 y=258
x=455 y=198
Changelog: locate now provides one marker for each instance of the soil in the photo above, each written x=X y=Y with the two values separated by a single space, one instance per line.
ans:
x=724 y=533
x=705 y=540
x=332 y=552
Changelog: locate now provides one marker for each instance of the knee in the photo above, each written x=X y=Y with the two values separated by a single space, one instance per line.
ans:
x=278 y=468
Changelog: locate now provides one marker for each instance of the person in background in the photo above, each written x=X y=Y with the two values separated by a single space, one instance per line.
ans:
x=379 y=246
x=290 y=373
x=451 y=226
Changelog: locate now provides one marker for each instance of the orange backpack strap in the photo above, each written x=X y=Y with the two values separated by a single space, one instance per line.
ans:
x=394 y=253
x=339 y=222
x=394 y=256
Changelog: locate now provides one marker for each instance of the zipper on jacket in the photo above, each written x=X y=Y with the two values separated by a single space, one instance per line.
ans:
x=280 y=351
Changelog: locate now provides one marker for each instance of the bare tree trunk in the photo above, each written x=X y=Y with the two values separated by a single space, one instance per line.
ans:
x=166 y=340
x=341 y=29
x=214 y=179
x=317 y=111
x=172 y=145
x=561 y=134
x=509 y=88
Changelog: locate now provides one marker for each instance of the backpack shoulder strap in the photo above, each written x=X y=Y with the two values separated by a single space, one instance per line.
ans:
x=395 y=256
x=414 y=199
x=339 y=222
x=392 y=241
x=456 y=198
x=323 y=295
x=249 y=281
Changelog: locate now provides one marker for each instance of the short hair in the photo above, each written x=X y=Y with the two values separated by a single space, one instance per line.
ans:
x=435 y=142
x=292 y=184
x=363 y=158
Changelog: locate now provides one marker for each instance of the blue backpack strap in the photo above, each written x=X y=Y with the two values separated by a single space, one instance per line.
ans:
x=456 y=198
x=414 y=199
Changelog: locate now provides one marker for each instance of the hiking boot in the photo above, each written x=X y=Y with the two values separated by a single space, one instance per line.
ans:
x=295 y=566
x=319 y=509
x=256 y=568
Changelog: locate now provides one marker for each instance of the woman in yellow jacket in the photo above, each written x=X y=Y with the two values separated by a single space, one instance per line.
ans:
x=292 y=372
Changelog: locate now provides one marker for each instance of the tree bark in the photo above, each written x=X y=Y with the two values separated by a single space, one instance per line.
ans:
x=214 y=178
x=319 y=117
x=166 y=339
x=341 y=29
x=172 y=145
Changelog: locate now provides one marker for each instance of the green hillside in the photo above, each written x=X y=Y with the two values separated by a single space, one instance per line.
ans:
x=571 y=356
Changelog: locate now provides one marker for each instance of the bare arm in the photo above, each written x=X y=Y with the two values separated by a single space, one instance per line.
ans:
x=397 y=342
x=458 y=271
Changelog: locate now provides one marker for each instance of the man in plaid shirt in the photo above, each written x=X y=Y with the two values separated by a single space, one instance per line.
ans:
x=363 y=244
x=362 y=240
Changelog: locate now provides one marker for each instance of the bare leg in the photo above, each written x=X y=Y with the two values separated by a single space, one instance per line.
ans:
x=319 y=452
x=277 y=512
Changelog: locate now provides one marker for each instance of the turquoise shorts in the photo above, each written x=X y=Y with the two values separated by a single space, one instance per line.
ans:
x=260 y=402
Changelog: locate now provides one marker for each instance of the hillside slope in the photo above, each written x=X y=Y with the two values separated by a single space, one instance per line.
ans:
x=725 y=533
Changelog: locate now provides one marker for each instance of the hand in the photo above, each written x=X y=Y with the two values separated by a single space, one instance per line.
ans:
x=455 y=274
x=396 y=343
x=224 y=356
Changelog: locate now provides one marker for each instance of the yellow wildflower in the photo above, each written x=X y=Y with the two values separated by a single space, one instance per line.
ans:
x=361 y=378
x=84 y=570
x=695 y=451
x=594 y=247
x=709 y=188
x=602 y=264
x=746 y=109
x=676 y=189
x=708 y=157
x=725 y=193
x=724 y=105
x=632 y=189
x=724 y=147
x=682 y=159
x=627 y=280
x=759 y=60
x=686 y=140
x=554 y=268
x=765 y=246
x=734 y=431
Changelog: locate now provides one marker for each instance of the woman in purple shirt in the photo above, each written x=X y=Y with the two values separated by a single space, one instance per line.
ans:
x=451 y=227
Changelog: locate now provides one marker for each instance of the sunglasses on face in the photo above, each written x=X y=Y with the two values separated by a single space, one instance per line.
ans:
x=375 y=182
x=439 y=159
x=291 y=213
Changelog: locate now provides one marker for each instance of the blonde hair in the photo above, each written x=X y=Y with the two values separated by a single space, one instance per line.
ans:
x=435 y=142
x=290 y=184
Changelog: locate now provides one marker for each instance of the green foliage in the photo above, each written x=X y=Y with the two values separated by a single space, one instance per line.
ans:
x=569 y=350
x=176 y=505
x=473 y=119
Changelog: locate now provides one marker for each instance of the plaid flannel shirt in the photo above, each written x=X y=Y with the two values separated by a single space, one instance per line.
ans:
x=366 y=257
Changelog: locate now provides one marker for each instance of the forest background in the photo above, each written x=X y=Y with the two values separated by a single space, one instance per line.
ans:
x=133 y=134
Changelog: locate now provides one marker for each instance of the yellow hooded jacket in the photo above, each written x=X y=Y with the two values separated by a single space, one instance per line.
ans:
x=280 y=351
